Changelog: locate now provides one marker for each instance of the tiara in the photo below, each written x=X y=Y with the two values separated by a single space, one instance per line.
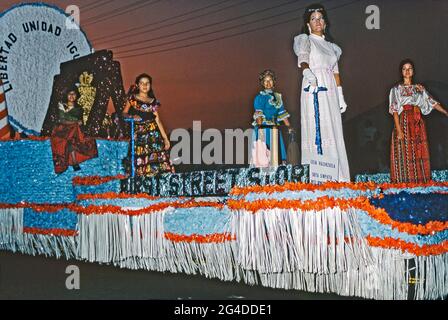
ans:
x=316 y=10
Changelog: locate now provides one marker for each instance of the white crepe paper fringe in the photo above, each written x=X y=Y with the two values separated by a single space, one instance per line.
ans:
x=431 y=274
x=11 y=228
x=107 y=238
x=13 y=239
x=212 y=260
x=388 y=279
x=148 y=235
x=50 y=246
x=319 y=251
x=278 y=240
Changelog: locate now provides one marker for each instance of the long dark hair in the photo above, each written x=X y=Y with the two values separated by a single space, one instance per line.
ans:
x=307 y=16
x=134 y=87
x=402 y=63
x=67 y=91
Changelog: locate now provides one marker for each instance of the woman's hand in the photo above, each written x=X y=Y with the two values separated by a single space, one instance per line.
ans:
x=310 y=77
x=420 y=88
x=167 y=143
x=342 y=104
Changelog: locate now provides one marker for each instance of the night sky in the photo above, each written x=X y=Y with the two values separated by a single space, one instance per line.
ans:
x=205 y=55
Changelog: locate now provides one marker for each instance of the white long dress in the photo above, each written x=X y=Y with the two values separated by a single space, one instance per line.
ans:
x=322 y=57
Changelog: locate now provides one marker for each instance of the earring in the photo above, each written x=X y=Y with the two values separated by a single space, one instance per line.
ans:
x=309 y=28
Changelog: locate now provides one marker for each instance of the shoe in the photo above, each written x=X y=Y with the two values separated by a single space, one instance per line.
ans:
x=76 y=167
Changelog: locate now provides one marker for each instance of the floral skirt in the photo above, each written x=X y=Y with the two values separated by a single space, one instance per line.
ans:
x=410 y=156
x=150 y=156
x=66 y=139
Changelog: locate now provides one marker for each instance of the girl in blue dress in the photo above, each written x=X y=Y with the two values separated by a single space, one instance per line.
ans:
x=270 y=111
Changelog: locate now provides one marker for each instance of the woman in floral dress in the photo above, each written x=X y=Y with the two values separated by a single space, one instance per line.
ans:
x=151 y=143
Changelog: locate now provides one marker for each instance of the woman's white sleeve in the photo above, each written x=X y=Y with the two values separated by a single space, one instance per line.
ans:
x=338 y=51
x=394 y=101
x=427 y=103
x=302 y=48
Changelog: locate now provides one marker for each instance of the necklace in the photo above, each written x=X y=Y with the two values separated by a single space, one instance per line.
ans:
x=149 y=100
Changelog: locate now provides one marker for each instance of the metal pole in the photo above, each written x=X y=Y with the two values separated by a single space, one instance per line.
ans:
x=131 y=120
x=274 y=146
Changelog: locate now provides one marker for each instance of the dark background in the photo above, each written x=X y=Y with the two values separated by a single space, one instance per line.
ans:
x=27 y=277
x=205 y=57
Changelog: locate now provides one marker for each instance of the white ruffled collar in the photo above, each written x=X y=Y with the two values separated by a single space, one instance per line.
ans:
x=317 y=37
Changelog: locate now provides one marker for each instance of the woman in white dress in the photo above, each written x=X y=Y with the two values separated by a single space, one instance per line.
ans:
x=318 y=58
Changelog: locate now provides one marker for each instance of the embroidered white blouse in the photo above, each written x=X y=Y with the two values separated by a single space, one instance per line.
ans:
x=402 y=95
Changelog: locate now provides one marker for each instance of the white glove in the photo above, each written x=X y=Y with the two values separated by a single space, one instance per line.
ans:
x=310 y=77
x=342 y=104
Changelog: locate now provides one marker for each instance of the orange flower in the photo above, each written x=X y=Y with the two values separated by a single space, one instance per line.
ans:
x=299 y=186
x=425 y=250
x=383 y=217
x=111 y=209
x=114 y=195
x=361 y=203
x=306 y=205
x=197 y=204
x=96 y=180
x=412 y=185
x=51 y=232
x=46 y=207
x=210 y=238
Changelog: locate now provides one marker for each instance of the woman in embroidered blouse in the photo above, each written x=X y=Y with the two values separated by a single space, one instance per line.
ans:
x=318 y=58
x=68 y=144
x=409 y=147
x=270 y=111
x=151 y=145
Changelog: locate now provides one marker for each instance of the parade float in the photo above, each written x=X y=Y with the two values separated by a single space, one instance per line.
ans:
x=260 y=226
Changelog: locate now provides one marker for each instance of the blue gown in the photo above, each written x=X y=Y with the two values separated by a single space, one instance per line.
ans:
x=269 y=106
